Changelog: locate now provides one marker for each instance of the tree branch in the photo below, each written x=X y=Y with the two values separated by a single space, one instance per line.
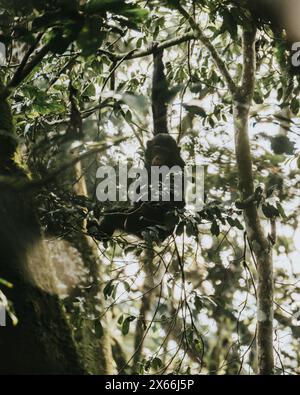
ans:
x=27 y=185
x=255 y=232
x=24 y=61
x=146 y=52
x=206 y=42
x=24 y=70
x=249 y=64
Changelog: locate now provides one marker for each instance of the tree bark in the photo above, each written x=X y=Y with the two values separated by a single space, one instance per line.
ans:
x=147 y=301
x=258 y=241
x=242 y=99
x=42 y=342
x=97 y=351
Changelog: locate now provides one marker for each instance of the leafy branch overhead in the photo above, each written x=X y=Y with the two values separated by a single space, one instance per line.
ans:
x=115 y=286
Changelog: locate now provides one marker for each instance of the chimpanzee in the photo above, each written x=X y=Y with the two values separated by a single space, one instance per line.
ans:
x=160 y=93
x=159 y=216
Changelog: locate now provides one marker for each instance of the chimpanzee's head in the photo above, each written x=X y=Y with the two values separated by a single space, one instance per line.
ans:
x=162 y=150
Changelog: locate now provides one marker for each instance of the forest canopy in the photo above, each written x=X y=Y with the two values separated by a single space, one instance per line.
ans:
x=211 y=290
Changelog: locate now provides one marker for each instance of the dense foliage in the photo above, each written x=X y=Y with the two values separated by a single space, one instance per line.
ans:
x=187 y=305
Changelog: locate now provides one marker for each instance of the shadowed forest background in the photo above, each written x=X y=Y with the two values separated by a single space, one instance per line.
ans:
x=220 y=296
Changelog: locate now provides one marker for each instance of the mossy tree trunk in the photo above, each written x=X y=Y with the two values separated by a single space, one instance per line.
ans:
x=42 y=342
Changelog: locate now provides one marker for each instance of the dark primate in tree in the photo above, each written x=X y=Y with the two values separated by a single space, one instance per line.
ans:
x=159 y=217
x=159 y=94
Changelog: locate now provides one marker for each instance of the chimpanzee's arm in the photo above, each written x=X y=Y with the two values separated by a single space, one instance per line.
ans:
x=159 y=94
x=109 y=223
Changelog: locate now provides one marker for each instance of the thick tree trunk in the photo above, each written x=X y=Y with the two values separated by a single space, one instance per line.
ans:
x=42 y=342
x=96 y=350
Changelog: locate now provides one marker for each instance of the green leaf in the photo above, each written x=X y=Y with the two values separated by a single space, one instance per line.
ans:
x=231 y=221
x=126 y=286
x=215 y=229
x=128 y=116
x=295 y=105
x=198 y=303
x=211 y=122
x=270 y=211
x=238 y=224
x=279 y=94
x=108 y=290
x=126 y=325
x=156 y=363
x=6 y=283
x=136 y=14
x=89 y=91
x=190 y=229
x=258 y=97
x=99 y=6
x=195 y=110
x=229 y=24
x=198 y=346
x=196 y=88
x=281 y=210
x=91 y=36
x=180 y=228
x=118 y=7
x=99 y=329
